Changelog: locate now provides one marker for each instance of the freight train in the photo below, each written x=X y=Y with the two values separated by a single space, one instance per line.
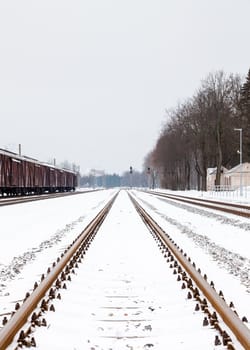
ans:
x=21 y=175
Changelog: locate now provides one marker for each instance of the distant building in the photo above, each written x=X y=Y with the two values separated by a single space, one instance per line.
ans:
x=230 y=178
x=233 y=175
x=96 y=172
x=211 y=176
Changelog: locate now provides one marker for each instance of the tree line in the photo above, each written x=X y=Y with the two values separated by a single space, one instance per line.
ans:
x=127 y=179
x=200 y=133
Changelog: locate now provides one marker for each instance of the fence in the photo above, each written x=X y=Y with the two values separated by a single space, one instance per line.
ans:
x=229 y=191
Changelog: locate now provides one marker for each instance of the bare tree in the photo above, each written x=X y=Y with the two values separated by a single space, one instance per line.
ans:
x=221 y=91
x=198 y=134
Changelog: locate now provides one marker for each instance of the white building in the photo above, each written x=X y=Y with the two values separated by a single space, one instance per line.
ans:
x=211 y=176
x=230 y=179
x=233 y=175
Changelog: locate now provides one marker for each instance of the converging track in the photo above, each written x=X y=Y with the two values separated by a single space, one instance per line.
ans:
x=113 y=290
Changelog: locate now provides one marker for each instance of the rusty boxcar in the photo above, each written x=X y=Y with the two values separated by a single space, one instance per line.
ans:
x=21 y=175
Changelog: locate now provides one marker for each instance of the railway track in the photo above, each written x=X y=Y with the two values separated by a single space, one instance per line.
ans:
x=68 y=260
x=232 y=208
x=120 y=310
x=4 y=201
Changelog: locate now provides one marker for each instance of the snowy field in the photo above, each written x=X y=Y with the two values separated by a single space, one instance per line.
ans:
x=33 y=234
x=225 y=196
x=218 y=243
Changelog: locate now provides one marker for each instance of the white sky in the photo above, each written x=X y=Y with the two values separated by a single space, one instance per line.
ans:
x=89 y=81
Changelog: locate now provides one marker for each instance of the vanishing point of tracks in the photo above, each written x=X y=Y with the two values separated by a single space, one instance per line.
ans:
x=20 y=328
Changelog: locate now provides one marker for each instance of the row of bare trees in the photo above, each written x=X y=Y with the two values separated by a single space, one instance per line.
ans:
x=199 y=133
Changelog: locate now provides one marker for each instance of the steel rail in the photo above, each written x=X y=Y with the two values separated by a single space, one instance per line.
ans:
x=205 y=203
x=238 y=328
x=32 y=198
x=234 y=205
x=20 y=317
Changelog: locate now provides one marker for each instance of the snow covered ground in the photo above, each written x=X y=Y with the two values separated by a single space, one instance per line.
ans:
x=127 y=297
x=33 y=234
x=218 y=243
x=225 y=196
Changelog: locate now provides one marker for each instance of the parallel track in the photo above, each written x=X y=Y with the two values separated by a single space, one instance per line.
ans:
x=67 y=261
x=238 y=328
x=55 y=278
x=232 y=208
x=4 y=201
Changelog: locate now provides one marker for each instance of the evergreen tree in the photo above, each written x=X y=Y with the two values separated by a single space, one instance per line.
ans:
x=245 y=94
x=245 y=117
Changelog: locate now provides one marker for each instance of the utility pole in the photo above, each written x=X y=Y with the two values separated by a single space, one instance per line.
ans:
x=240 y=153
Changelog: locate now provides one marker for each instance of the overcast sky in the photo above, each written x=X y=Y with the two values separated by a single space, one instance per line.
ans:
x=89 y=81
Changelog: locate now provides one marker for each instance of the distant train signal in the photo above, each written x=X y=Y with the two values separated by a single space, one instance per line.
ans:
x=130 y=169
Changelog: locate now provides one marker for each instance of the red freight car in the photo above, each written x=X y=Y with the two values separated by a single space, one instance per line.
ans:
x=23 y=175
